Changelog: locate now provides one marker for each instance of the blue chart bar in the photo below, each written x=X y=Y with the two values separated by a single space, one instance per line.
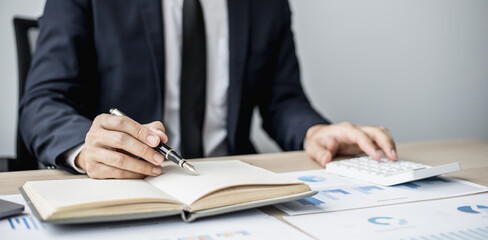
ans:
x=34 y=223
x=409 y=185
x=311 y=179
x=11 y=224
x=310 y=201
x=327 y=193
x=28 y=223
x=368 y=189
x=433 y=180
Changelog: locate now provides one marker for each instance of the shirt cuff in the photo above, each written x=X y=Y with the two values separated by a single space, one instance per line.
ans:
x=71 y=155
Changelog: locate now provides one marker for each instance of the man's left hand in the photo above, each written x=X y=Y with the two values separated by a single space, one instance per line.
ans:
x=323 y=142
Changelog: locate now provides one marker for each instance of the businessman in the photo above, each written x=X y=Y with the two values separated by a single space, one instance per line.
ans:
x=199 y=67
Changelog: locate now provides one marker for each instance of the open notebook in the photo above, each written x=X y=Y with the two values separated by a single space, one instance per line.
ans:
x=220 y=187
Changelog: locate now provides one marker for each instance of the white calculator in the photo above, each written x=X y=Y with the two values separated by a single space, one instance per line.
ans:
x=386 y=172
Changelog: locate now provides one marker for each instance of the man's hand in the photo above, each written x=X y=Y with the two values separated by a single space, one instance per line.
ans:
x=323 y=142
x=114 y=144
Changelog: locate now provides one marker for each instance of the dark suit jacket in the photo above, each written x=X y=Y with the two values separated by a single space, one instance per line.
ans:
x=95 y=55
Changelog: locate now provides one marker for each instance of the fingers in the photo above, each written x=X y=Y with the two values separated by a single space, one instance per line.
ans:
x=105 y=163
x=124 y=141
x=114 y=144
x=382 y=137
x=127 y=125
x=364 y=142
x=102 y=171
x=319 y=145
x=130 y=136
x=324 y=141
x=318 y=152
x=156 y=125
x=129 y=163
x=158 y=128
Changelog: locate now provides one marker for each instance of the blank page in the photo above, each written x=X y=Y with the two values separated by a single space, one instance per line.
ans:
x=72 y=192
x=213 y=176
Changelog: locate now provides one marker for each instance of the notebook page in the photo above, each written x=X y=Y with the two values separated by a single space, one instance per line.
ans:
x=212 y=176
x=71 y=192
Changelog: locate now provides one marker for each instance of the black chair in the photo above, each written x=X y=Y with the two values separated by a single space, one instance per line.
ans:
x=26 y=31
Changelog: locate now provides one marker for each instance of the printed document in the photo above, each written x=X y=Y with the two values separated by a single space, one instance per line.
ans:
x=336 y=192
x=454 y=218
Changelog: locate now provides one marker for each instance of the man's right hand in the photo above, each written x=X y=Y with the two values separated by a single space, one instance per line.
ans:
x=114 y=144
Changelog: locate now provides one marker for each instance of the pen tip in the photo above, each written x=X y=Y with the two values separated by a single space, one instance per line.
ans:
x=189 y=168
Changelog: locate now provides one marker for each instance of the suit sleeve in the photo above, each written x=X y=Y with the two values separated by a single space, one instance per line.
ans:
x=55 y=111
x=287 y=113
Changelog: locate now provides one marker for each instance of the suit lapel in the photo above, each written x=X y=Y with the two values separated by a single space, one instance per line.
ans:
x=238 y=12
x=151 y=12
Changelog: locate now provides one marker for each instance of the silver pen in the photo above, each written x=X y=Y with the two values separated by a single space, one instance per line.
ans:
x=162 y=148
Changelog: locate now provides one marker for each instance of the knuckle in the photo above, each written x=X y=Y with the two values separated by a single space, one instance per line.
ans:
x=92 y=170
x=117 y=121
x=136 y=175
x=87 y=153
x=368 y=128
x=362 y=138
x=308 y=149
x=119 y=139
x=92 y=138
x=142 y=168
x=89 y=167
x=158 y=125
x=99 y=118
x=96 y=176
x=146 y=151
x=140 y=132
x=308 y=145
x=119 y=173
x=346 y=125
x=118 y=160
x=89 y=136
x=91 y=175
x=314 y=149
x=321 y=155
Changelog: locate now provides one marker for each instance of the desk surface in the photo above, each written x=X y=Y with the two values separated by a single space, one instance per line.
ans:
x=471 y=153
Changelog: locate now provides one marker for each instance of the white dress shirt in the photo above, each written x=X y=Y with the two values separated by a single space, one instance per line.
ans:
x=216 y=27
x=217 y=33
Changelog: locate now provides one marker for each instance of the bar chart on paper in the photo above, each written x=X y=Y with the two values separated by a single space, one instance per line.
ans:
x=460 y=218
x=26 y=223
x=24 y=226
x=340 y=193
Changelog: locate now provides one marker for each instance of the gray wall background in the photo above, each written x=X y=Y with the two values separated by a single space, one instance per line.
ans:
x=417 y=67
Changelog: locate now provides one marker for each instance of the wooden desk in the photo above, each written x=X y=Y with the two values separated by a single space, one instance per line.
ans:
x=471 y=153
